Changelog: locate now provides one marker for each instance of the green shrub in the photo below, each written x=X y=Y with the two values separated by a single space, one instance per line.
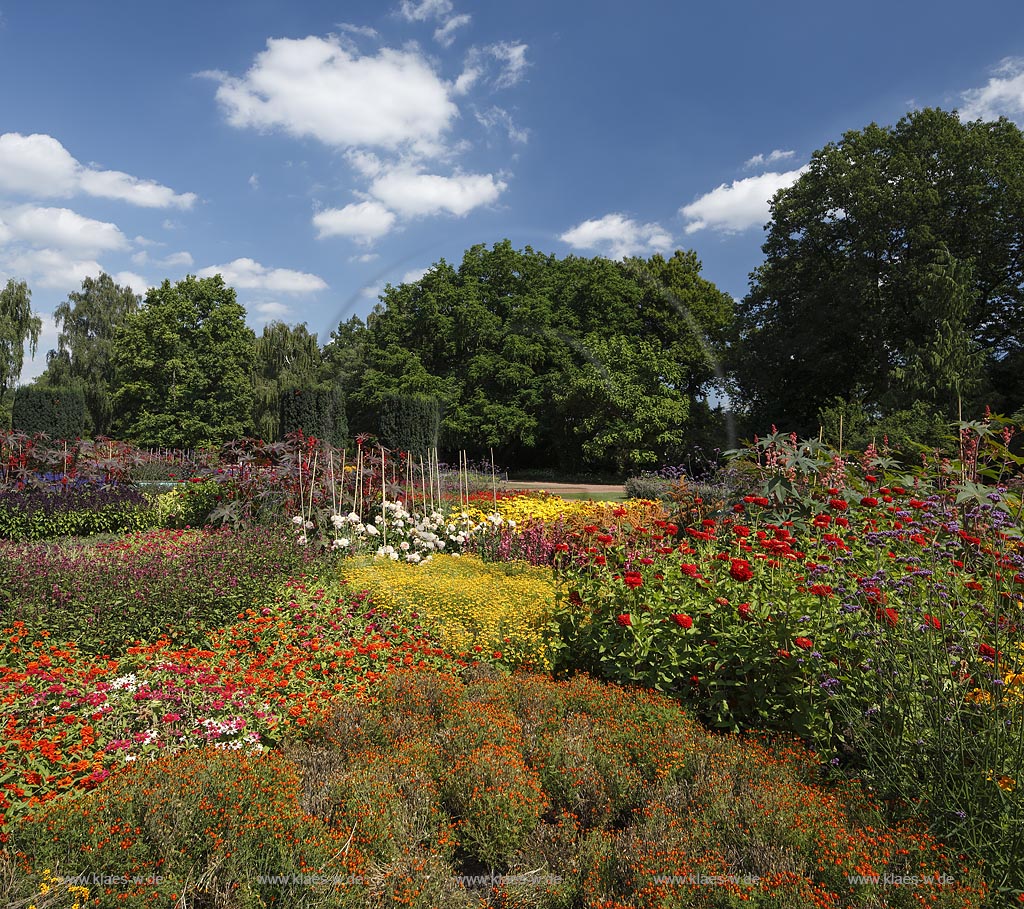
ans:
x=317 y=411
x=58 y=412
x=80 y=511
x=411 y=422
x=188 y=504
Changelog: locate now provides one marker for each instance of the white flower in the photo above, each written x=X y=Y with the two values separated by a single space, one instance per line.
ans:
x=337 y=520
x=439 y=544
x=404 y=546
x=302 y=540
x=353 y=518
x=341 y=543
x=308 y=525
x=371 y=530
x=297 y=520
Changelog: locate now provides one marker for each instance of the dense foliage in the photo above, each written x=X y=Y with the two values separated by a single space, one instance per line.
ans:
x=58 y=412
x=181 y=366
x=892 y=275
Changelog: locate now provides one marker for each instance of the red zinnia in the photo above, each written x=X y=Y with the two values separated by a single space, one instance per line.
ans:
x=633 y=579
x=804 y=643
x=785 y=654
x=890 y=615
x=740 y=570
x=683 y=621
x=744 y=610
x=986 y=651
x=625 y=620
x=690 y=571
x=605 y=538
x=931 y=620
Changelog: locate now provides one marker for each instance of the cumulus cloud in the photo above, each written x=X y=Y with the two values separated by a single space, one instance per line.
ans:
x=445 y=34
x=59 y=228
x=362 y=221
x=38 y=165
x=411 y=193
x=52 y=268
x=248 y=274
x=268 y=310
x=737 y=206
x=136 y=282
x=765 y=160
x=315 y=87
x=1003 y=96
x=411 y=277
x=617 y=236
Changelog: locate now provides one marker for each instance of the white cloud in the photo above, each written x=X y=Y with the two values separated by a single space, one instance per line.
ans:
x=760 y=160
x=371 y=292
x=499 y=117
x=411 y=193
x=363 y=221
x=365 y=163
x=247 y=274
x=445 y=35
x=617 y=236
x=177 y=259
x=254 y=181
x=421 y=10
x=468 y=77
x=53 y=268
x=1003 y=96
x=362 y=30
x=268 y=310
x=60 y=228
x=365 y=257
x=136 y=282
x=316 y=87
x=738 y=206
x=512 y=58
x=38 y=165
x=411 y=277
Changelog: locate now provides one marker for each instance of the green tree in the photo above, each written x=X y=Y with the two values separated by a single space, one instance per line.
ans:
x=88 y=321
x=182 y=366
x=286 y=357
x=498 y=339
x=625 y=406
x=17 y=325
x=848 y=297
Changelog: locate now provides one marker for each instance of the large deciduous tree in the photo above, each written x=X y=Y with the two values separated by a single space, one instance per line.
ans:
x=287 y=357
x=542 y=359
x=17 y=325
x=182 y=366
x=88 y=321
x=893 y=274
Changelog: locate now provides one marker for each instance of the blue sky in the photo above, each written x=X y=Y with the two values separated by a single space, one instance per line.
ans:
x=313 y=151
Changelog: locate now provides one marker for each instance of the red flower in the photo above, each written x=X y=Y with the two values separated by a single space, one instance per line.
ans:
x=600 y=560
x=605 y=538
x=690 y=571
x=671 y=529
x=633 y=579
x=590 y=528
x=646 y=561
x=739 y=569
x=986 y=651
x=869 y=501
x=625 y=620
x=875 y=596
x=561 y=547
x=683 y=621
x=785 y=654
x=931 y=620
x=744 y=610
x=821 y=590
x=804 y=643
x=889 y=615
x=694 y=680
x=838 y=504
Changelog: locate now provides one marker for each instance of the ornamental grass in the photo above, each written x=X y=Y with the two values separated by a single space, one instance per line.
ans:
x=498 y=609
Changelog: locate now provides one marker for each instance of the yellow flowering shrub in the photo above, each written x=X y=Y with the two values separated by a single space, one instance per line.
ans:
x=491 y=607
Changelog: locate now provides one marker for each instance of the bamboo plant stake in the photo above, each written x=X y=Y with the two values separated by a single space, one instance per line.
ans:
x=383 y=495
x=494 y=483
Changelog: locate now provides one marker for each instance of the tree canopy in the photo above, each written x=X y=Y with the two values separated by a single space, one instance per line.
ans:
x=182 y=366
x=526 y=351
x=893 y=274
x=88 y=321
x=18 y=324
